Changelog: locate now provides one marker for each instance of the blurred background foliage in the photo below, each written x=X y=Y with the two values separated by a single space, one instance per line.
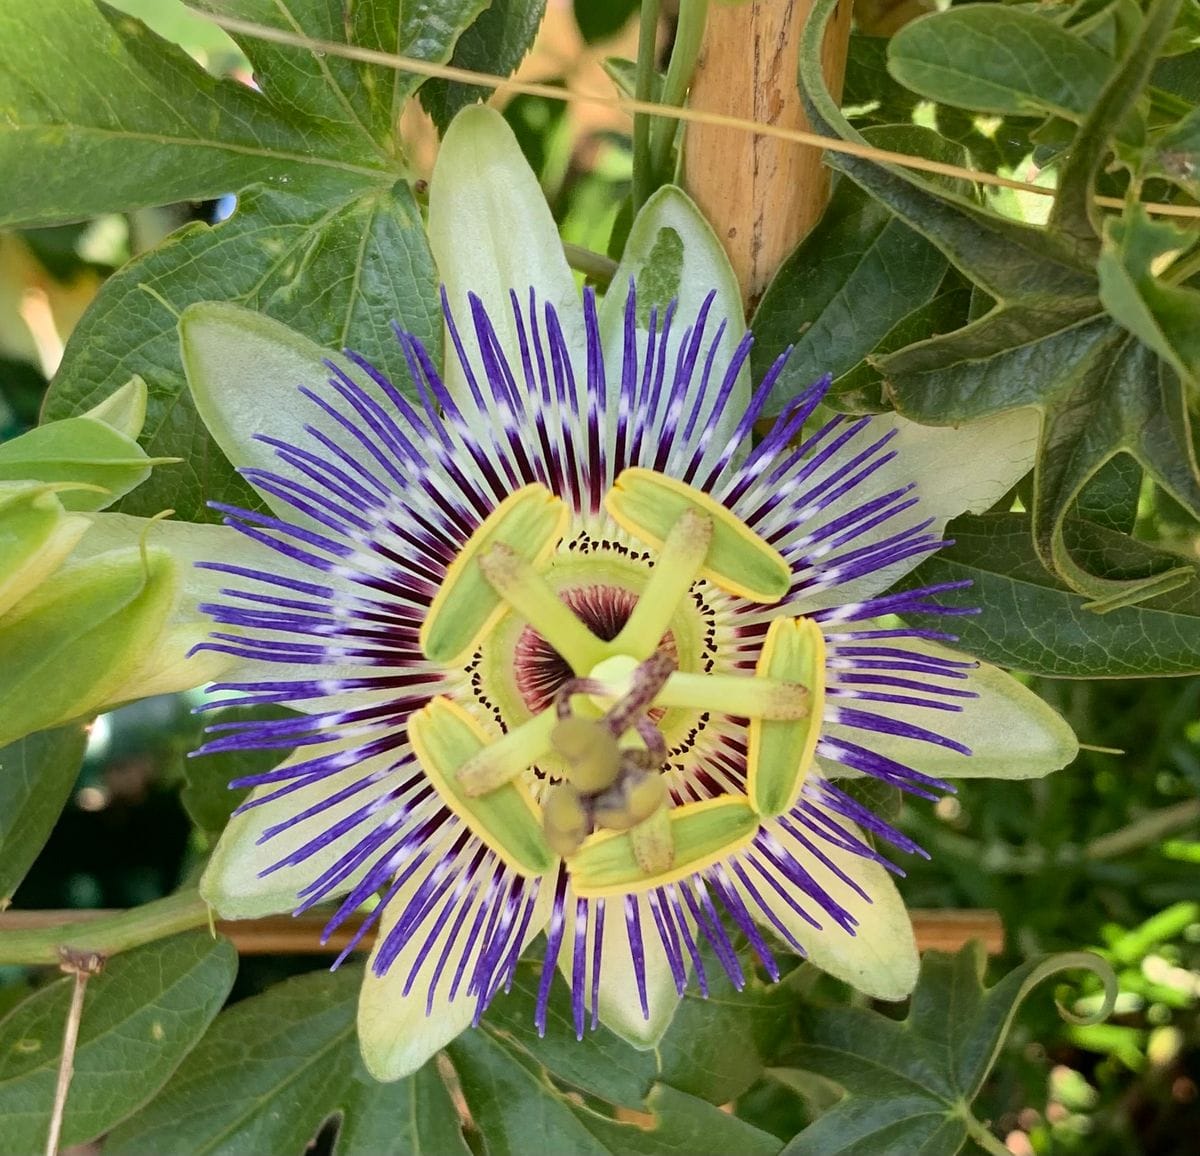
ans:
x=1104 y=854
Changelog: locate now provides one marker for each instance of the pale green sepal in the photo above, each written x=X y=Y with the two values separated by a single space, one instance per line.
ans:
x=66 y=648
x=104 y=462
x=245 y=372
x=956 y=470
x=620 y=1004
x=491 y=231
x=124 y=409
x=880 y=959
x=1011 y=732
x=399 y=1032
x=191 y=543
x=233 y=883
x=673 y=253
x=171 y=666
x=36 y=536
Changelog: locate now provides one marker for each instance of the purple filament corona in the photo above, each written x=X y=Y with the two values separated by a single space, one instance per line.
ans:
x=384 y=489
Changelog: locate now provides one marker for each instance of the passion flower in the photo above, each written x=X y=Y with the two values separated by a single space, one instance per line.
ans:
x=578 y=651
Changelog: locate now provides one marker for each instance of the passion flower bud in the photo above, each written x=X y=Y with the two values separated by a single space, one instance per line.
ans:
x=101 y=461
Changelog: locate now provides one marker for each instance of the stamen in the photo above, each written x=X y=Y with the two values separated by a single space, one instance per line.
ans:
x=743 y=696
x=653 y=843
x=466 y=607
x=780 y=752
x=444 y=737
x=527 y=592
x=649 y=506
x=504 y=759
x=677 y=567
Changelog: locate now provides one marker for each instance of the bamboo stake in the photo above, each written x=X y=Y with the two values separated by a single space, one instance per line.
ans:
x=761 y=194
x=288 y=935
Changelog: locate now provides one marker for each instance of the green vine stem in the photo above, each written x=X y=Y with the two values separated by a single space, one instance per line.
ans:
x=596 y=266
x=689 y=36
x=107 y=935
x=643 y=175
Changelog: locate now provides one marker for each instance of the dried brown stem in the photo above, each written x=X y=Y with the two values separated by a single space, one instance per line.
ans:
x=82 y=966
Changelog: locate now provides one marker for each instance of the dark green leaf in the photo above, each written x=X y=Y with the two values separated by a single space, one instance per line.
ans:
x=1110 y=499
x=518 y=1113
x=602 y=19
x=36 y=777
x=1180 y=76
x=713 y=1048
x=1047 y=341
x=909 y=1084
x=102 y=115
x=869 y=91
x=414 y=1117
x=274 y=1068
x=858 y=274
x=1032 y=621
x=340 y=272
x=1118 y=397
x=496 y=43
x=862 y=389
x=999 y=60
x=363 y=99
x=1176 y=153
x=141 y=1016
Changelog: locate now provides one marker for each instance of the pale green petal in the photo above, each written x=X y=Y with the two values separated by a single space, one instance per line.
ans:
x=957 y=470
x=620 y=1005
x=880 y=959
x=394 y=1032
x=491 y=231
x=232 y=882
x=1012 y=733
x=245 y=372
x=673 y=253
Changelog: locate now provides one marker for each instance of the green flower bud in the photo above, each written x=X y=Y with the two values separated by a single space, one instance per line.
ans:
x=104 y=462
x=70 y=646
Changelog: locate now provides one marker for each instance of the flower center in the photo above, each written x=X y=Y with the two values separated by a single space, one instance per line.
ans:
x=589 y=658
x=538 y=670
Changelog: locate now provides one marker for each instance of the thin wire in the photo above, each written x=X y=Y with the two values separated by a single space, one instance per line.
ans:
x=631 y=107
